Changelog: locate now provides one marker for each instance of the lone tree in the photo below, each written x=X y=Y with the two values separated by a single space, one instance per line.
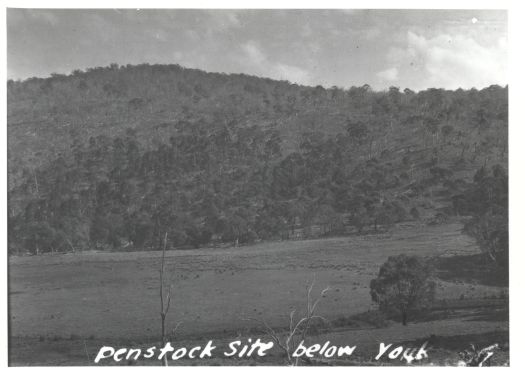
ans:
x=403 y=285
x=487 y=201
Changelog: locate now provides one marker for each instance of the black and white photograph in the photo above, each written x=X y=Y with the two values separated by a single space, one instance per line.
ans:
x=257 y=187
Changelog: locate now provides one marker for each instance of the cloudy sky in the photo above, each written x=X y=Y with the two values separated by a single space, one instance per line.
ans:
x=415 y=49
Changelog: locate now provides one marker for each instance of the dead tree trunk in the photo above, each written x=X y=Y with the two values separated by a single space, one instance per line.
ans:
x=164 y=309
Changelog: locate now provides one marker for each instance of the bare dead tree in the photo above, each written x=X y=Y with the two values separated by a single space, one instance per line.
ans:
x=164 y=308
x=297 y=328
x=86 y=351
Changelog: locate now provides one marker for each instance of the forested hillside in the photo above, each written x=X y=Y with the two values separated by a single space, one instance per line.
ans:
x=115 y=157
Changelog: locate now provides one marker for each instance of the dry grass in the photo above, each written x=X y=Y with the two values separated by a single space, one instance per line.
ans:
x=114 y=296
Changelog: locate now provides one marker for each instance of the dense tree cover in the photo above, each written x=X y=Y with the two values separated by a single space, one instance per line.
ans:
x=404 y=284
x=115 y=157
x=486 y=201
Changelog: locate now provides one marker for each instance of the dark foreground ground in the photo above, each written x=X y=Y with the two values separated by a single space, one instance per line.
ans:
x=63 y=308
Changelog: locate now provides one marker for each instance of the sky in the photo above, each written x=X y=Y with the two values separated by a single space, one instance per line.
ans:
x=414 y=49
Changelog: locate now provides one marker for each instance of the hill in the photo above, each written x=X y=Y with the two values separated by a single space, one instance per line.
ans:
x=115 y=157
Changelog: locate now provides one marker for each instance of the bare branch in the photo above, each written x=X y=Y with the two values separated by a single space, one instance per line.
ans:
x=270 y=331
x=168 y=297
x=292 y=313
x=299 y=328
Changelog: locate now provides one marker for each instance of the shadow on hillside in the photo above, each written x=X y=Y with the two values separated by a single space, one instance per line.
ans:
x=472 y=269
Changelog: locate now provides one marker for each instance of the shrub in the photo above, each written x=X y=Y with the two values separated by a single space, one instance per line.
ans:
x=403 y=286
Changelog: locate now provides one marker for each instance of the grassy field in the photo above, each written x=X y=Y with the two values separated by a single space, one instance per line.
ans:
x=96 y=298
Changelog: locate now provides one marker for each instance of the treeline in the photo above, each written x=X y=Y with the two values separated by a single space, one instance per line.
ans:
x=233 y=158
x=202 y=185
x=46 y=115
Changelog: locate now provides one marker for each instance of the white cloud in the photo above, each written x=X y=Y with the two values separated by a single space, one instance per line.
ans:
x=253 y=53
x=372 y=33
x=291 y=73
x=258 y=63
x=390 y=74
x=451 y=61
x=43 y=15
x=220 y=20
x=351 y=11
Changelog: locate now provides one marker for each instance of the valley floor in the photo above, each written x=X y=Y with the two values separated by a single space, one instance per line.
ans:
x=63 y=307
